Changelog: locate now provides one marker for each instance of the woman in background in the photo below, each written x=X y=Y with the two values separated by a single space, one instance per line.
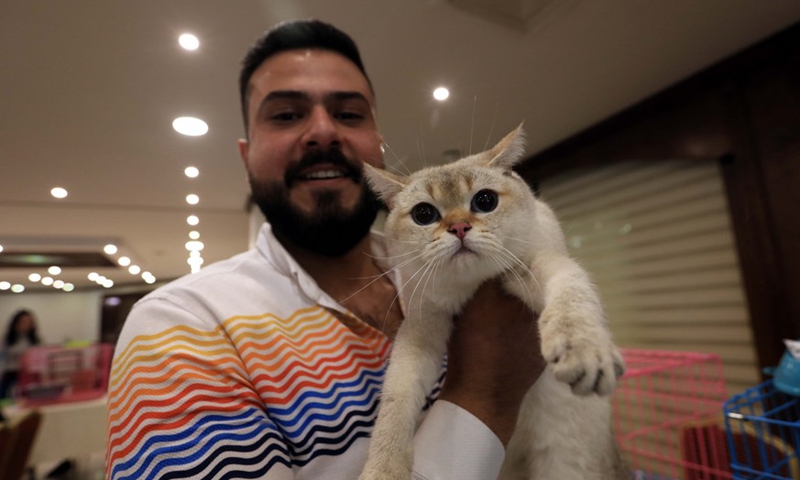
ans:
x=21 y=335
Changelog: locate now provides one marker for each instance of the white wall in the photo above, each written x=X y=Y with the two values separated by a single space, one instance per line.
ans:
x=60 y=316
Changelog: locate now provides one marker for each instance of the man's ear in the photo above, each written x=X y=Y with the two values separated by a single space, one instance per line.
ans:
x=386 y=185
x=244 y=150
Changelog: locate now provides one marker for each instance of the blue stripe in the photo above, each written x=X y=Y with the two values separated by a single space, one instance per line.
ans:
x=216 y=423
x=292 y=412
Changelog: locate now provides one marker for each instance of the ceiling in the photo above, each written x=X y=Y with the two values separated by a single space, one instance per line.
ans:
x=90 y=89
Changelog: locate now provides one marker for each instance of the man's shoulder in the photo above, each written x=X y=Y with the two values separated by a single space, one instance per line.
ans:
x=237 y=269
x=241 y=286
x=219 y=288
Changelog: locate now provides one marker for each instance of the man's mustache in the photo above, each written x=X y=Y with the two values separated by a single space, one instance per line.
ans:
x=333 y=157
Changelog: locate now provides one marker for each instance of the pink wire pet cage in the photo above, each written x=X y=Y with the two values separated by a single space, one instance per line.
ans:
x=668 y=416
x=55 y=374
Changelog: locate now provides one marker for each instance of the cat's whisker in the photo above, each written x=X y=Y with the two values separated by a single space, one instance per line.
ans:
x=411 y=242
x=429 y=265
x=524 y=286
x=421 y=149
x=509 y=255
x=506 y=253
x=472 y=123
x=425 y=266
x=523 y=265
x=491 y=127
x=526 y=242
x=392 y=257
x=399 y=160
x=436 y=264
x=396 y=296
x=378 y=277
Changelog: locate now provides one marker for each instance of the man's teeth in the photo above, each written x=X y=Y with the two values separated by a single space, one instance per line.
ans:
x=323 y=174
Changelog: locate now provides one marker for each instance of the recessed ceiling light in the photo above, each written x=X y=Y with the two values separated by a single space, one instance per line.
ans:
x=110 y=249
x=194 y=234
x=194 y=245
x=192 y=199
x=34 y=277
x=54 y=270
x=58 y=192
x=58 y=284
x=191 y=172
x=124 y=261
x=68 y=287
x=108 y=283
x=1 y=248
x=192 y=220
x=195 y=262
x=134 y=269
x=189 y=41
x=17 y=288
x=193 y=127
x=5 y=285
x=441 y=94
x=47 y=281
x=93 y=276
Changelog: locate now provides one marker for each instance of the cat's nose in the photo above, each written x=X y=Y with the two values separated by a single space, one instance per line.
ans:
x=460 y=229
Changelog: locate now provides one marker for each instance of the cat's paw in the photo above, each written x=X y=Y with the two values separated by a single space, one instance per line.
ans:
x=391 y=465
x=587 y=360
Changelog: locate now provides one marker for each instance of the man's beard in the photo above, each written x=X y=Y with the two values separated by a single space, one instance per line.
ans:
x=330 y=229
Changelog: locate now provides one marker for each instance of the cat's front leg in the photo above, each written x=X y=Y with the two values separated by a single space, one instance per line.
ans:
x=414 y=365
x=575 y=339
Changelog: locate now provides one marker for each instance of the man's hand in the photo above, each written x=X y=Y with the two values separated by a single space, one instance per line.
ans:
x=493 y=358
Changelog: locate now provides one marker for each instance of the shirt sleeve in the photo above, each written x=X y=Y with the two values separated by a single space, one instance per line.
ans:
x=453 y=444
x=181 y=405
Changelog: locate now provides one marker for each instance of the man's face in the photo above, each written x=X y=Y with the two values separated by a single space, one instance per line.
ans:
x=311 y=127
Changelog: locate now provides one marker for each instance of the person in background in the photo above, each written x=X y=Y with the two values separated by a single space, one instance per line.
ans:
x=269 y=365
x=21 y=335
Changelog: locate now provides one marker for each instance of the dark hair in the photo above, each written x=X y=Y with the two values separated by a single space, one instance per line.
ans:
x=11 y=335
x=295 y=35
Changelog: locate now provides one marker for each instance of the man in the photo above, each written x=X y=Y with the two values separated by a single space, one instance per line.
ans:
x=269 y=365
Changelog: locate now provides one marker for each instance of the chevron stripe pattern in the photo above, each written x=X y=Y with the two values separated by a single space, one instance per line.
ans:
x=257 y=394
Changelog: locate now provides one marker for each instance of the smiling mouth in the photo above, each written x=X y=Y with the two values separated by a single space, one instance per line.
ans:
x=322 y=175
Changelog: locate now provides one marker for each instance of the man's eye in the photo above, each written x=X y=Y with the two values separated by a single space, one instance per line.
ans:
x=349 y=116
x=285 y=117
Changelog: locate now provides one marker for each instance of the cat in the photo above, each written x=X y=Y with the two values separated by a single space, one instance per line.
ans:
x=563 y=430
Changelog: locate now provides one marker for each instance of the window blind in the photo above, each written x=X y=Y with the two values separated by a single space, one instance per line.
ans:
x=657 y=240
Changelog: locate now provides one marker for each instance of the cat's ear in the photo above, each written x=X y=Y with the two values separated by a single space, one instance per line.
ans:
x=386 y=185
x=508 y=151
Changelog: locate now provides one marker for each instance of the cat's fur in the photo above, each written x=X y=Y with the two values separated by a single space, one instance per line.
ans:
x=563 y=431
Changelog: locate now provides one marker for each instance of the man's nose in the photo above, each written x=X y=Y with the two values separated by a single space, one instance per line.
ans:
x=322 y=131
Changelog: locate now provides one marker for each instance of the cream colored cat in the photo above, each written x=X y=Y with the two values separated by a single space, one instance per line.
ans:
x=479 y=206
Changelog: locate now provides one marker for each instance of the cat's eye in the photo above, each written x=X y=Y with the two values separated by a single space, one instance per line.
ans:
x=424 y=214
x=484 y=201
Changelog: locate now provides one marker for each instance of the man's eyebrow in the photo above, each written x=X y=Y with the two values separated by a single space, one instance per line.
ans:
x=341 y=96
x=286 y=94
